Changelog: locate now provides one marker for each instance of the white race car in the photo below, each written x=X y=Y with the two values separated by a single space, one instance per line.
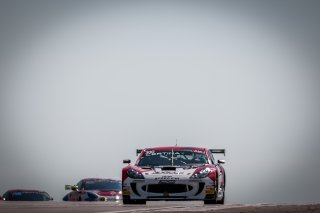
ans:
x=174 y=173
x=94 y=189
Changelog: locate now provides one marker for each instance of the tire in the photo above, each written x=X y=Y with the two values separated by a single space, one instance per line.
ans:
x=224 y=192
x=214 y=201
x=209 y=201
x=140 y=202
x=127 y=200
x=221 y=201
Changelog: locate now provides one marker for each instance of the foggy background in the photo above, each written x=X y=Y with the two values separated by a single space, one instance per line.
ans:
x=85 y=83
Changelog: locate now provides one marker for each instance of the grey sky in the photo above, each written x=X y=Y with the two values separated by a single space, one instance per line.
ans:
x=85 y=83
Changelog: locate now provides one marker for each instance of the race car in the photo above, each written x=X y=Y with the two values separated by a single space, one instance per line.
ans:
x=26 y=195
x=94 y=189
x=174 y=173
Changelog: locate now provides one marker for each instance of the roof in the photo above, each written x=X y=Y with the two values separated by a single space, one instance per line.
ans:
x=26 y=190
x=177 y=148
x=98 y=179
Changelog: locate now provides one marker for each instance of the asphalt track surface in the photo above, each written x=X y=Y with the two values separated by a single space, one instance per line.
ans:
x=159 y=206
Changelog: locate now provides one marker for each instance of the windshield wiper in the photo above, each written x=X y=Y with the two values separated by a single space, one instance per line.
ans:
x=197 y=165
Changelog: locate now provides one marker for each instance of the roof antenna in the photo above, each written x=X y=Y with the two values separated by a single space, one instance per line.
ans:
x=176 y=141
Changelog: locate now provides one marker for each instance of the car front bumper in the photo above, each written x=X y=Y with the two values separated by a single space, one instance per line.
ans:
x=188 y=189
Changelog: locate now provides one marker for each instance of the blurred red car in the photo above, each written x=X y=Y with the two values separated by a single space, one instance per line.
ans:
x=26 y=195
x=94 y=189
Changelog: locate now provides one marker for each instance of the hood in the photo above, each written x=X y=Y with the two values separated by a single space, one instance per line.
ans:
x=171 y=172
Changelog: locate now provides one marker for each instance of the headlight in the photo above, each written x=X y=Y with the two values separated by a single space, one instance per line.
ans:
x=134 y=174
x=201 y=174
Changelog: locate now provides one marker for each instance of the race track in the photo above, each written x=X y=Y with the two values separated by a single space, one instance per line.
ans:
x=158 y=206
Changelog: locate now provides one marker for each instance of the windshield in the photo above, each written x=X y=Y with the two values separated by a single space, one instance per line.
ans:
x=172 y=158
x=29 y=196
x=103 y=185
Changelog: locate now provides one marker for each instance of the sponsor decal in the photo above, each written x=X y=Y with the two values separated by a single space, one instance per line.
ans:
x=125 y=191
x=198 y=151
x=167 y=182
x=166 y=194
x=210 y=190
x=166 y=178
x=165 y=153
x=168 y=172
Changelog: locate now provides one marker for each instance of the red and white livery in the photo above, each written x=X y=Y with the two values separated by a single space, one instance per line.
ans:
x=174 y=173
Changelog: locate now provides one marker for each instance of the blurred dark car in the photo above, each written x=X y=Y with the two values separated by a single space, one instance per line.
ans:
x=94 y=189
x=26 y=195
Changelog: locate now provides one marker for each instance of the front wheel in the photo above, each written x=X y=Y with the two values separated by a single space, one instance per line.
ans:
x=221 y=201
x=209 y=201
x=224 y=192
x=214 y=200
x=127 y=200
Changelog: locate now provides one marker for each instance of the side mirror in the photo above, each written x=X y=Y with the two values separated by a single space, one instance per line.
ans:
x=51 y=198
x=127 y=161
x=221 y=161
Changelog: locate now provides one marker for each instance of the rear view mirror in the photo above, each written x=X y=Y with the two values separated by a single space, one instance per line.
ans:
x=221 y=161
x=127 y=161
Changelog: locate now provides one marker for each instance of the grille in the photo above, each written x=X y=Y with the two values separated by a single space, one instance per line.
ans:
x=201 y=186
x=167 y=188
x=134 y=188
